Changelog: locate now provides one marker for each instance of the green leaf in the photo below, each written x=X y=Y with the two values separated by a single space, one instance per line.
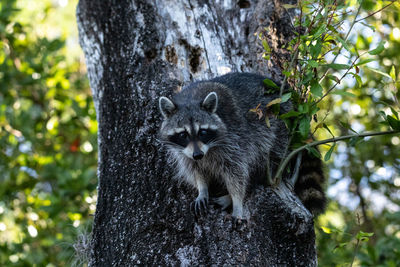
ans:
x=336 y=66
x=290 y=114
x=343 y=42
x=341 y=245
x=393 y=73
x=314 y=109
x=365 y=61
x=329 y=153
x=304 y=126
x=303 y=108
x=308 y=77
x=273 y=102
x=286 y=73
x=380 y=72
x=394 y=113
x=393 y=122
x=286 y=97
x=327 y=128
x=313 y=63
x=333 y=78
x=321 y=29
x=288 y=6
x=383 y=114
x=362 y=235
x=316 y=88
x=315 y=50
x=266 y=46
x=378 y=49
x=314 y=151
x=358 y=79
x=326 y=230
x=270 y=83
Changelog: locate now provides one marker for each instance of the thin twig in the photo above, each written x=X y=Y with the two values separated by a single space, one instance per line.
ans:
x=338 y=82
x=376 y=11
x=296 y=171
x=283 y=165
x=358 y=242
x=355 y=252
x=345 y=39
x=269 y=173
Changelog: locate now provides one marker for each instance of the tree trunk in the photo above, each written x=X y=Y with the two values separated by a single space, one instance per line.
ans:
x=137 y=51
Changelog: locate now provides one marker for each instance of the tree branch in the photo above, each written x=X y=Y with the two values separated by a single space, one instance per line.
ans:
x=282 y=166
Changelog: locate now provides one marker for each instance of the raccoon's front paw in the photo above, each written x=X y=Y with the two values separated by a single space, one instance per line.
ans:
x=200 y=206
x=238 y=224
x=224 y=202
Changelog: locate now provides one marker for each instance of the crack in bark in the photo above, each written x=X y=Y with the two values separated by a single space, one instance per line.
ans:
x=202 y=36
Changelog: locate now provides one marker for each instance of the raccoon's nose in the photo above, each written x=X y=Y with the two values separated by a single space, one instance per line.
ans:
x=198 y=155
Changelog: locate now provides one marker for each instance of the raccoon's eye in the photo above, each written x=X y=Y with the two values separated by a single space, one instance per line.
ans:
x=206 y=136
x=181 y=139
x=182 y=135
x=203 y=132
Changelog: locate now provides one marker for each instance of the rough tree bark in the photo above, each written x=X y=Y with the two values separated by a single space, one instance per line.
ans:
x=137 y=51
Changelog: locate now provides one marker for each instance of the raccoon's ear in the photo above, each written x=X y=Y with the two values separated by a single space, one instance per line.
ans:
x=167 y=107
x=210 y=103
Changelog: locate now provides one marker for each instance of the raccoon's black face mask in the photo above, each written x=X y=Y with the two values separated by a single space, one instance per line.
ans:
x=191 y=127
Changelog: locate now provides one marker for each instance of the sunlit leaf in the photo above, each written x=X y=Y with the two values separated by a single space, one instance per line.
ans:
x=393 y=73
x=288 y=6
x=273 y=102
x=326 y=230
x=378 y=49
x=380 y=72
x=266 y=46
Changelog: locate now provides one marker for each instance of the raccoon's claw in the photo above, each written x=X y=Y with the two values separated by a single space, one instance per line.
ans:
x=200 y=207
x=238 y=224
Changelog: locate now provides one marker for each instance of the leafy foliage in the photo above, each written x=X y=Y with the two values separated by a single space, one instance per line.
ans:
x=47 y=138
x=343 y=74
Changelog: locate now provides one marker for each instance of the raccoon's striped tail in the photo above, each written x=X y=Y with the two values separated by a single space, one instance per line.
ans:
x=309 y=185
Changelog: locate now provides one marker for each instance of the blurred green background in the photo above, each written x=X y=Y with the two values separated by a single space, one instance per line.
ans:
x=48 y=150
x=48 y=146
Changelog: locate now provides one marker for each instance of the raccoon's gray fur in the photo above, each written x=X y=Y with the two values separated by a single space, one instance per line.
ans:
x=212 y=136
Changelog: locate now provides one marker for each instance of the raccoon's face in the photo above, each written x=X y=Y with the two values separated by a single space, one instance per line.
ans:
x=191 y=128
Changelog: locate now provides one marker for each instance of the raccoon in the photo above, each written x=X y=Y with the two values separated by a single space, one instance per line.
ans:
x=213 y=138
